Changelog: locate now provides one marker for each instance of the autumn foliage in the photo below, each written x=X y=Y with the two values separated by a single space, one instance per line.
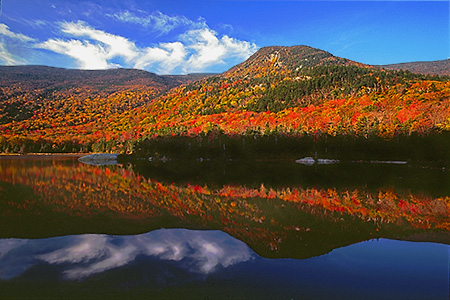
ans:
x=296 y=91
x=72 y=189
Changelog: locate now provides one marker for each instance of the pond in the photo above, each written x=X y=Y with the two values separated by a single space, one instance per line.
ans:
x=207 y=229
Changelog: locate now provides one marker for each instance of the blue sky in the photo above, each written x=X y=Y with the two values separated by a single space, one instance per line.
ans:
x=177 y=37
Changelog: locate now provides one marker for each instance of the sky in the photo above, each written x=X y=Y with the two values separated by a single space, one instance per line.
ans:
x=191 y=36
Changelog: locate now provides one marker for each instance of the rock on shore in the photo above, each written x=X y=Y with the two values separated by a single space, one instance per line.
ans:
x=100 y=159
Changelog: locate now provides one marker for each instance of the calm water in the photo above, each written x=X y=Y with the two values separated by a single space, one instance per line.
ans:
x=223 y=230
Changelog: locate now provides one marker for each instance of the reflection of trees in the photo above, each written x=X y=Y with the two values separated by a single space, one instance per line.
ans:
x=264 y=217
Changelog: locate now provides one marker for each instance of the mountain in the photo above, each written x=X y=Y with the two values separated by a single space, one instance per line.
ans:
x=53 y=104
x=111 y=80
x=55 y=93
x=272 y=80
x=440 y=67
x=294 y=58
x=279 y=90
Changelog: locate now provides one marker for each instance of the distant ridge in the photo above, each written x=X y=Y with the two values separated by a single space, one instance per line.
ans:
x=109 y=80
x=439 y=67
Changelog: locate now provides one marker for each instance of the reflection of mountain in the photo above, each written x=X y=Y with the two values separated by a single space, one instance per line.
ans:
x=192 y=264
x=48 y=198
x=84 y=255
x=418 y=179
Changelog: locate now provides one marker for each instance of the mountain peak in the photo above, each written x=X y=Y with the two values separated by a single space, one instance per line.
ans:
x=292 y=57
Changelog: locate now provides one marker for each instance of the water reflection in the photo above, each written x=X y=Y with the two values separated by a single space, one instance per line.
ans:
x=279 y=209
x=84 y=255
x=64 y=197
x=192 y=264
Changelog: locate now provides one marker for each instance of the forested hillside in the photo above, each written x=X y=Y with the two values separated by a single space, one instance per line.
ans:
x=45 y=109
x=296 y=91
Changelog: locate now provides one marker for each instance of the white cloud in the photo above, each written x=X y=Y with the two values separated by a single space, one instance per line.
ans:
x=95 y=51
x=35 y=24
x=12 y=43
x=115 y=45
x=6 y=57
x=4 y=30
x=87 y=55
x=157 y=21
x=209 y=50
x=167 y=57
x=195 y=50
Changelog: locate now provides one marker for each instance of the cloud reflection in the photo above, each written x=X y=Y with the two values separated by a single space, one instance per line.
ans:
x=84 y=255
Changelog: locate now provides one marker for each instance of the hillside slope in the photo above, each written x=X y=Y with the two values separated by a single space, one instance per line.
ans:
x=284 y=90
x=286 y=58
x=53 y=104
x=301 y=90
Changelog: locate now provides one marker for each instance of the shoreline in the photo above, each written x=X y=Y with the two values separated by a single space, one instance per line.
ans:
x=6 y=156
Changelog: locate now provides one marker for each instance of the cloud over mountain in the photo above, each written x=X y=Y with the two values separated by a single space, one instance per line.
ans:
x=93 y=49
x=188 y=45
